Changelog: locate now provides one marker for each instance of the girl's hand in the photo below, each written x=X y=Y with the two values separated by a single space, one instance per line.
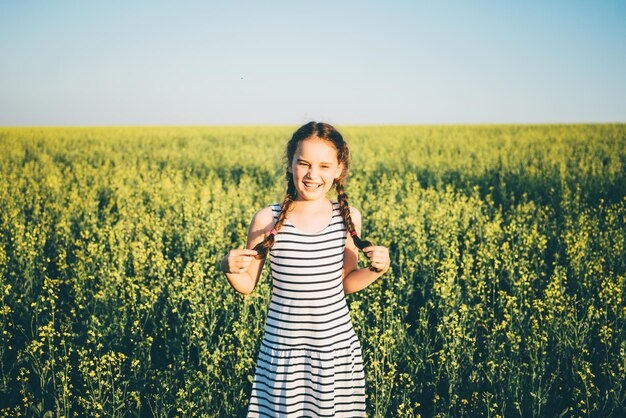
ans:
x=238 y=260
x=379 y=257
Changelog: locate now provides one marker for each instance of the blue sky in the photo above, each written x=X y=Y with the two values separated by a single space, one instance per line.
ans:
x=287 y=62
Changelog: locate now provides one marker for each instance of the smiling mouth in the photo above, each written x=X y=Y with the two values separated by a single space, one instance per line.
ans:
x=312 y=186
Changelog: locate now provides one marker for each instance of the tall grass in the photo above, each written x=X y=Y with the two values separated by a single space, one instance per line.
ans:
x=505 y=296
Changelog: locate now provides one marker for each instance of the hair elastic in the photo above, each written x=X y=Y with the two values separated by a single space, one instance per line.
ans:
x=353 y=233
x=273 y=231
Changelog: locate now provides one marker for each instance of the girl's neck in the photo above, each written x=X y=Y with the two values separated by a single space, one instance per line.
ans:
x=311 y=205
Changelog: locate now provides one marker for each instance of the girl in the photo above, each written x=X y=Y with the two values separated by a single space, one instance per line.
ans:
x=310 y=359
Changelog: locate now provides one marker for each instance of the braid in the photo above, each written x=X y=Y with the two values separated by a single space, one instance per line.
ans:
x=344 y=206
x=264 y=246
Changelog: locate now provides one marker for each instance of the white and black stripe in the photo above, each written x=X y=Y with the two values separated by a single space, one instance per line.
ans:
x=310 y=361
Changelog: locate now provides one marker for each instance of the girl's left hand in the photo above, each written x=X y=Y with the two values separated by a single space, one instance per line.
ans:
x=378 y=256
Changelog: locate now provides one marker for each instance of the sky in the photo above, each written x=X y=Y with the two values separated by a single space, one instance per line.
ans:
x=287 y=62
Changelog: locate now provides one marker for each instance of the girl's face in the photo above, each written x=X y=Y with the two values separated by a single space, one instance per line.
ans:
x=314 y=168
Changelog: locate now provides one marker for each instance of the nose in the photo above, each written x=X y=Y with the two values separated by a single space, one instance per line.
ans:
x=312 y=173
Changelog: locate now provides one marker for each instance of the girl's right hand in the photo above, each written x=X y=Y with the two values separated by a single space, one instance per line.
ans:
x=238 y=260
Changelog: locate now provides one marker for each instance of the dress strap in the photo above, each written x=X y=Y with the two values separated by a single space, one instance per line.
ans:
x=275 y=210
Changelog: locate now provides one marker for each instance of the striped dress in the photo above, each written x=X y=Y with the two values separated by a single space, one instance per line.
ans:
x=310 y=362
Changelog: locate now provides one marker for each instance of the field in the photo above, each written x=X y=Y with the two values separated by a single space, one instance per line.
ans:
x=505 y=296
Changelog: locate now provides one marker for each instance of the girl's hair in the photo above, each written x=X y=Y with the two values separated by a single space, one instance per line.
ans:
x=325 y=132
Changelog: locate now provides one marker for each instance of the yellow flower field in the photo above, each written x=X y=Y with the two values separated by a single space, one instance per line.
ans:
x=506 y=295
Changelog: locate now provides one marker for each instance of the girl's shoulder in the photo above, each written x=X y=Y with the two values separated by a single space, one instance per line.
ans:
x=263 y=219
x=274 y=210
x=354 y=212
x=355 y=215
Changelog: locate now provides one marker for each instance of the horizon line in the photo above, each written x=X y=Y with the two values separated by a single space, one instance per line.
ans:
x=271 y=125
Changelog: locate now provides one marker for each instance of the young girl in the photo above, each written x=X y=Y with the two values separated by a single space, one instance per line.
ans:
x=310 y=360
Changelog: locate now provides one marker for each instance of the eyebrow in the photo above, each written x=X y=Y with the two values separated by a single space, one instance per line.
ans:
x=305 y=161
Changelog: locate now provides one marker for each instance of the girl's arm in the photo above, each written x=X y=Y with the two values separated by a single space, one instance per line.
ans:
x=244 y=279
x=355 y=279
